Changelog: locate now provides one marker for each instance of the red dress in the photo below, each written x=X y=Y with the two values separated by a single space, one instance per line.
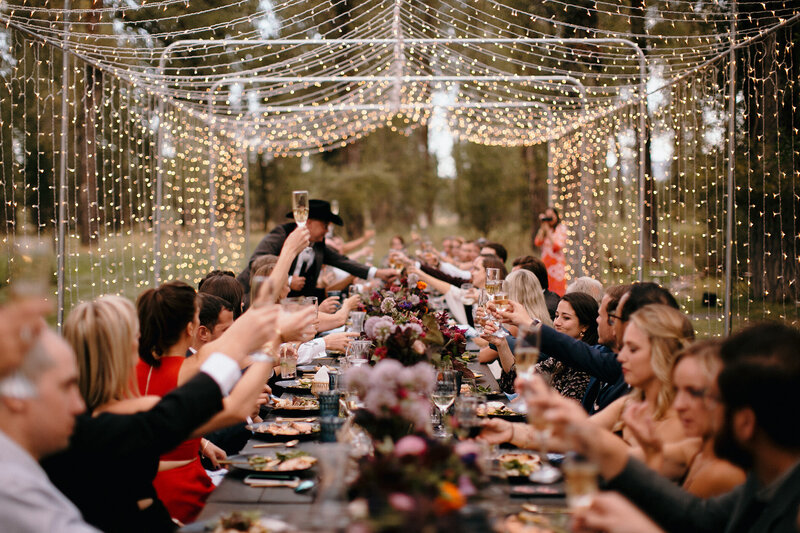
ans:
x=183 y=490
x=553 y=258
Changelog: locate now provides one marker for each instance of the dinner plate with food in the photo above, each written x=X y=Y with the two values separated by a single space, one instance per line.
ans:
x=500 y=410
x=278 y=462
x=284 y=430
x=301 y=385
x=519 y=464
x=296 y=405
x=240 y=522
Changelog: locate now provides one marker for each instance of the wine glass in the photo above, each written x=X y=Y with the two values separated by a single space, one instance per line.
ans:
x=501 y=303
x=444 y=394
x=493 y=282
x=300 y=207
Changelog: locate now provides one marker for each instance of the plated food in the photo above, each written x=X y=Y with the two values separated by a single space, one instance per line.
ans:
x=296 y=404
x=284 y=429
x=290 y=461
x=500 y=410
x=519 y=464
x=249 y=522
x=302 y=383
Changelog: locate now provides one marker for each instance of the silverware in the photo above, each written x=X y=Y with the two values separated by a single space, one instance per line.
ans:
x=290 y=444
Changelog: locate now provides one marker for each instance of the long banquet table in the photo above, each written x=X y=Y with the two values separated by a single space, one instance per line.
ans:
x=298 y=508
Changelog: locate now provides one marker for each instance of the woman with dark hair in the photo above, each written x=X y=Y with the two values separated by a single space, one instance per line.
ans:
x=576 y=316
x=169 y=318
x=551 y=238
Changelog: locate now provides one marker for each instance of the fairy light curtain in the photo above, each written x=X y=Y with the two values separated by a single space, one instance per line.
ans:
x=153 y=122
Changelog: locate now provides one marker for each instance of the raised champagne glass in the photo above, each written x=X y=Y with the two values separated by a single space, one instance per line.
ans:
x=300 y=207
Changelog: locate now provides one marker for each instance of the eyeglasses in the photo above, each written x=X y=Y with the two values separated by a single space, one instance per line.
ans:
x=612 y=318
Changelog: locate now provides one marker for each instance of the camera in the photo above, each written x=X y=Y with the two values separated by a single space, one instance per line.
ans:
x=546 y=219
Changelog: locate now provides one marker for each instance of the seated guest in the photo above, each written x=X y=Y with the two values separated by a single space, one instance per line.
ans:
x=597 y=361
x=122 y=436
x=587 y=285
x=537 y=266
x=758 y=387
x=38 y=405
x=216 y=316
x=576 y=316
x=495 y=248
x=168 y=319
x=692 y=460
x=650 y=344
x=221 y=283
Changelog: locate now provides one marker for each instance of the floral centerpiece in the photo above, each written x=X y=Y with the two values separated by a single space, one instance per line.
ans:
x=395 y=398
x=415 y=484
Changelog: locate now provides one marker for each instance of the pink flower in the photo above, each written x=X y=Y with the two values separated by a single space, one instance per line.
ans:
x=402 y=502
x=466 y=448
x=465 y=486
x=410 y=445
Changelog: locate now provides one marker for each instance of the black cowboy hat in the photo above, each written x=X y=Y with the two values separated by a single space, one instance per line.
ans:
x=320 y=210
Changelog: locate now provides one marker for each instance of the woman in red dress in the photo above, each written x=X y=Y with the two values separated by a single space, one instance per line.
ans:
x=551 y=238
x=168 y=320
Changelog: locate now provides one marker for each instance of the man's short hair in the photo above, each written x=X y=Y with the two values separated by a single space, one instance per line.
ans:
x=614 y=294
x=226 y=287
x=761 y=370
x=645 y=293
x=587 y=285
x=210 y=308
x=535 y=265
x=499 y=250
x=22 y=382
x=262 y=260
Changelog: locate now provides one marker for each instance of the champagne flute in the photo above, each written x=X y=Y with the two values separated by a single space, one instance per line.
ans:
x=542 y=431
x=502 y=303
x=444 y=394
x=580 y=481
x=300 y=207
x=493 y=281
x=335 y=207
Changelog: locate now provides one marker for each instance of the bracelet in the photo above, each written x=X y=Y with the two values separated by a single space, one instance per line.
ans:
x=511 y=441
x=203 y=446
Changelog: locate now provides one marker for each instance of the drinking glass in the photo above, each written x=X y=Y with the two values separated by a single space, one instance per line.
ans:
x=288 y=359
x=580 y=480
x=358 y=352
x=493 y=281
x=335 y=207
x=356 y=321
x=468 y=294
x=444 y=394
x=526 y=350
x=542 y=431
x=338 y=295
x=467 y=424
x=300 y=207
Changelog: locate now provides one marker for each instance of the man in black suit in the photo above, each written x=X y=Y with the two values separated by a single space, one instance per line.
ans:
x=306 y=267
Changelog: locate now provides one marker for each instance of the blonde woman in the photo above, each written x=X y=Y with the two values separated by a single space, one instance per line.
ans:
x=653 y=338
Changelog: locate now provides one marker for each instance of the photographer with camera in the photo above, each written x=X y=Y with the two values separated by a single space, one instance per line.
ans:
x=551 y=238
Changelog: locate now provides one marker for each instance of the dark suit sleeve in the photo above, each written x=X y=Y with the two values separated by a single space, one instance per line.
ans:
x=156 y=431
x=580 y=356
x=438 y=274
x=335 y=259
x=671 y=507
x=271 y=244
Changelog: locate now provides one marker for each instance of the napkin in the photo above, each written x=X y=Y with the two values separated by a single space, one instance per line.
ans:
x=495 y=369
x=321 y=376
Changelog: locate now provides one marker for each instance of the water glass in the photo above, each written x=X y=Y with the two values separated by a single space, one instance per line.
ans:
x=329 y=427
x=468 y=294
x=329 y=403
x=358 y=352
x=338 y=295
x=288 y=361
x=356 y=321
x=580 y=481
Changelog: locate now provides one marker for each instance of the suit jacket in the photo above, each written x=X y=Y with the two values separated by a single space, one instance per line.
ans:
x=112 y=460
x=272 y=243
x=597 y=361
x=675 y=510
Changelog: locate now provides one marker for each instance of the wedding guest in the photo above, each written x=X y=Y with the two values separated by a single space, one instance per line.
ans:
x=123 y=434
x=169 y=319
x=651 y=342
x=307 y=266
x=697 y=404
x=576 y=316
x=38 y=405
x=587 y=285
x=537 y=266
x=597 y=361
x=552 y=237
x=224 y=284
x=495 y=248
x=758 y=387
x=216 y=316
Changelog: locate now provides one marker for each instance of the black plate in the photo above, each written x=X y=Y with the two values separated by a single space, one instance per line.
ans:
x=293 y=385
x=269 y=437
